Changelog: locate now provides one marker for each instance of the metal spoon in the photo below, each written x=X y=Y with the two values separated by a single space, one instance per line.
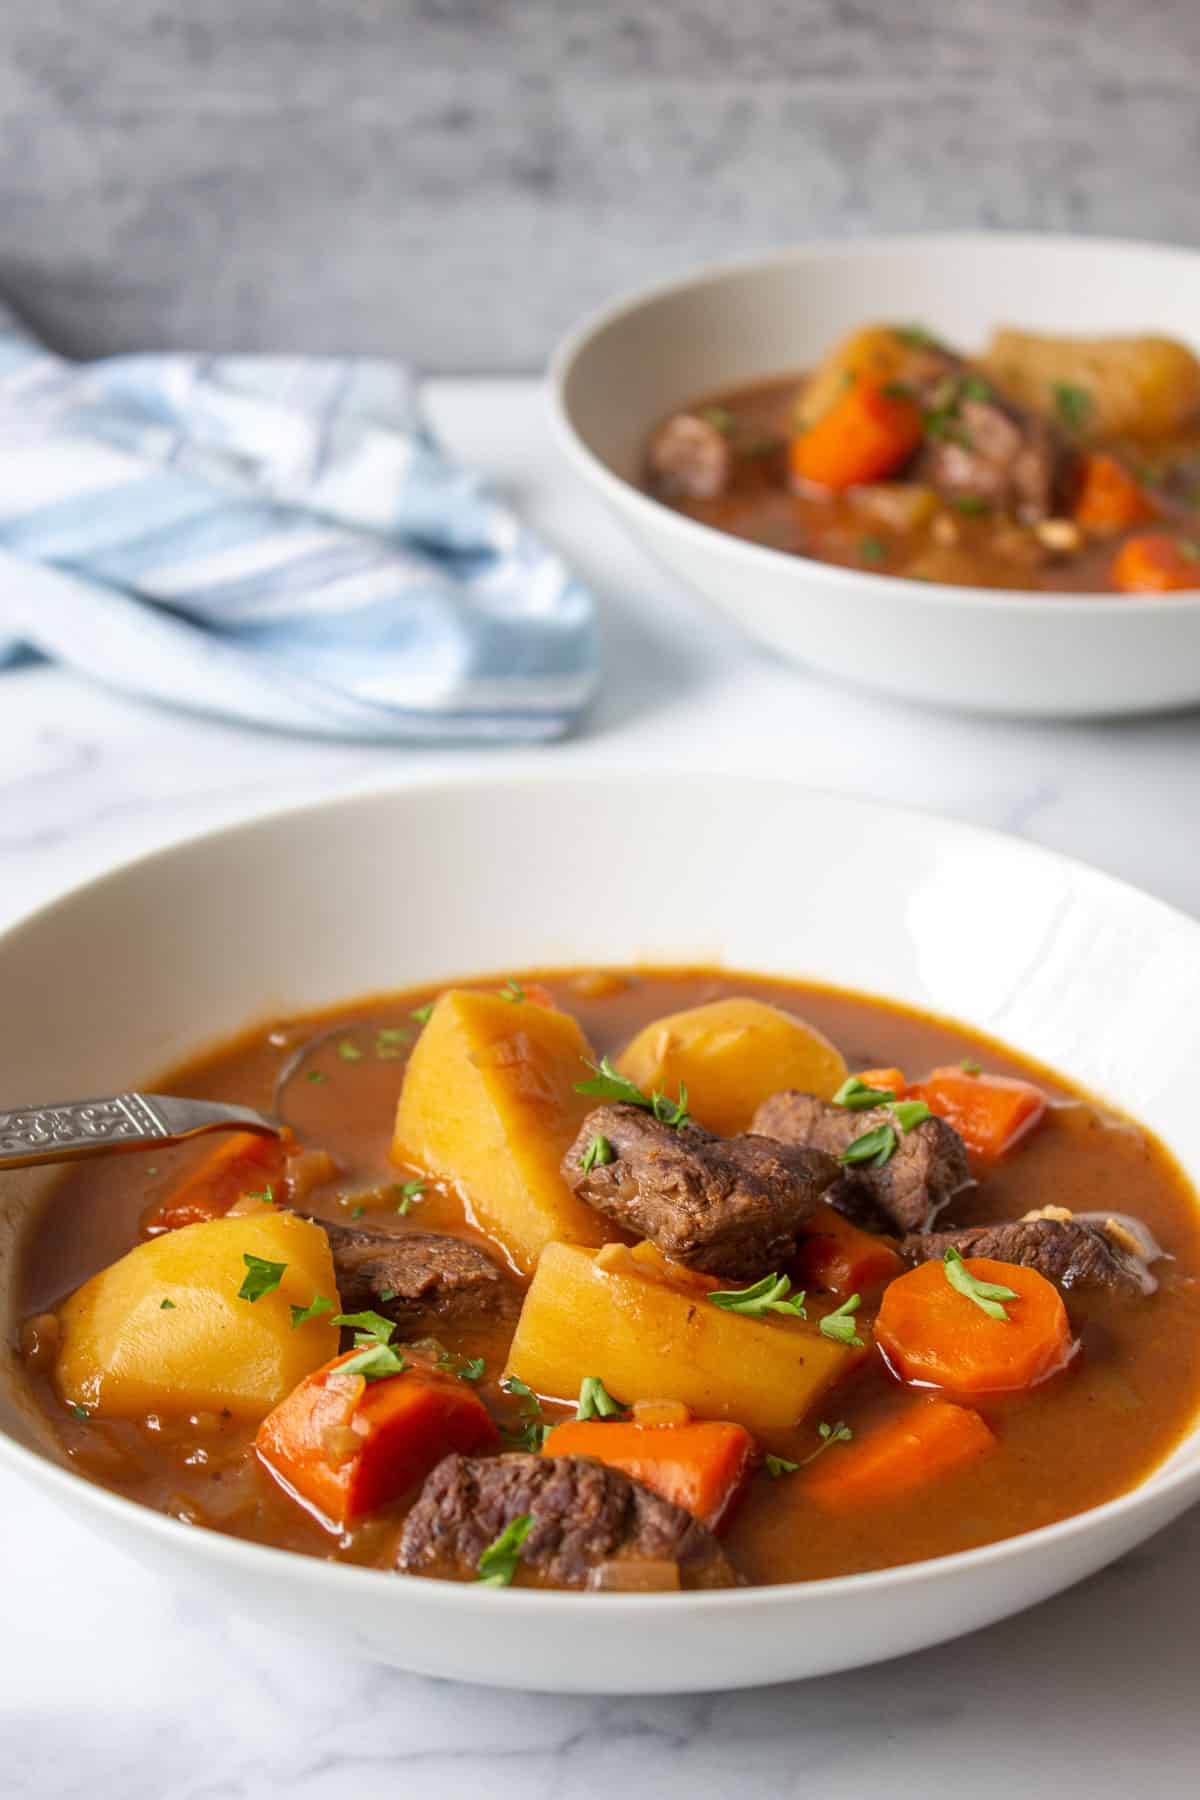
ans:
x=71 y=1129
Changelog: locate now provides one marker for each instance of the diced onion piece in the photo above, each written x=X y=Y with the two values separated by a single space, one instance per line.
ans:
x=631 y=1576
x=651 y=1414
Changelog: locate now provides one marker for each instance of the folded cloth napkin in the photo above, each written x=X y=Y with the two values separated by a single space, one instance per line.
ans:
x=277 y=539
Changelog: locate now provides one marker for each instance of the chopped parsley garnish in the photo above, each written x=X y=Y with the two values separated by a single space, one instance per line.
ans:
x=599 y=1151
x=671 y=1112
x=855 y=1095
x=839 y=1325
x=386 y=1294
x=368 y=1327
x=408 y=1192
x=609 y=1084
x=1074 y=404
x=356 y=1212
x=512 y=990
x=974 y=387
x=969 y=1066
x=970 y=505
x=80 y=1412
x=874 y=1148
x=872 y=549
x=267 y=1195
x=534 y=1431
x=988 y=1296
x=768 y=1295
x=498 y=1563
x=472 y=1370
x=421 y=1013
x=262 y=1277
x=829 y=1436
x=316 y=1306
x=915 y=337
x=349 y=1052
x=391 y=1041
x=166 y=1306
x=719 y=417
x=374 y=1362
x=595 y=1401
x=314 y=1075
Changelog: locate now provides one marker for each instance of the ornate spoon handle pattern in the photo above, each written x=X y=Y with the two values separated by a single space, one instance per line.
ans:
x=70 y=1129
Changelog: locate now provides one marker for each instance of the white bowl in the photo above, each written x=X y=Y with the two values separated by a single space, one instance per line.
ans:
x=306 y=908
x=1056 y=655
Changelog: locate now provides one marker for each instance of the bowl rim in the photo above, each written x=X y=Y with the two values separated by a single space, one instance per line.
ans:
x=334 y=1577
x=945 y=596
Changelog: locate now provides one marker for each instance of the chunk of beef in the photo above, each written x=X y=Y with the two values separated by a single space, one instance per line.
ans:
x=416 y=1277
x=990 y=450
x=729 y=1206
x=1066 y=1251
x=929 y=1165
x=582 y=1514
x=689 y=459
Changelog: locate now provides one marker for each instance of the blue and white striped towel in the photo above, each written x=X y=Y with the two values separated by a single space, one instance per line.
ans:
x=278 y=540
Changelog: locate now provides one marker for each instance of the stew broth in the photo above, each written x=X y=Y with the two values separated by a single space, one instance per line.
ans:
x=1080 y=1438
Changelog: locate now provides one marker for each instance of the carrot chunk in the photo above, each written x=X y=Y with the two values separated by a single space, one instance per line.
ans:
x=837 y=1256
x=242 y=1163
x=1155 y=564
x=930 y=1331
x=890 y=1080
x=1108 y=497
x=702 y=1466
x=868 y=432
x=990 y=1113
x=346 y=1445
x=926 y=1441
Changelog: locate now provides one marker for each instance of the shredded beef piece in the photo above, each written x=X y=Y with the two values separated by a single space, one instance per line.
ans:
x=1067 y=1252
x=583 y=1514
x=729 y=1206
x=929 y=1165
x=416 y=1277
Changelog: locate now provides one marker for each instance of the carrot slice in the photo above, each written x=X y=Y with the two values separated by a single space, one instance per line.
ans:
x=347 y=1445
x=1155 y=564
x=242 y=1163
x=930 y=1332
x=837 y=1256
x=990 y=1113
x=868 y=432
x=1109 y=498
x=925 y=1442
x=702 y=1466
x=892 y=1080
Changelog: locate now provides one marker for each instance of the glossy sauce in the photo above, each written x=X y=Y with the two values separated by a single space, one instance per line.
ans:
x=1080 y=1438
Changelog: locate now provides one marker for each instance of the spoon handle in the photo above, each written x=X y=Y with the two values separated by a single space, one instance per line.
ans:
x=70 y=1129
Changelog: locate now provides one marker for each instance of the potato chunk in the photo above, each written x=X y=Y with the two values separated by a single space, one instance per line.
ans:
x=1142 y=387
x=649 y=1336
x=731 y=1055
x=125 y=1352
x=489 y=1103
x=874 y=350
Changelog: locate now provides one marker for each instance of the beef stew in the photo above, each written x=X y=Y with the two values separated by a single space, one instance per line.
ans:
x=1061 y=464
x=657 y=1325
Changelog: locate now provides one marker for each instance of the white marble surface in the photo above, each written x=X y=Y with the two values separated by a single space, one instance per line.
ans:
x=110 y=1685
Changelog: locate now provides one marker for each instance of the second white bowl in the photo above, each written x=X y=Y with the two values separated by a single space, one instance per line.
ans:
x=986 y=650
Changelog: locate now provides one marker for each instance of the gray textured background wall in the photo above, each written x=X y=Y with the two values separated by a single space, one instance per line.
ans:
x=454 y=180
